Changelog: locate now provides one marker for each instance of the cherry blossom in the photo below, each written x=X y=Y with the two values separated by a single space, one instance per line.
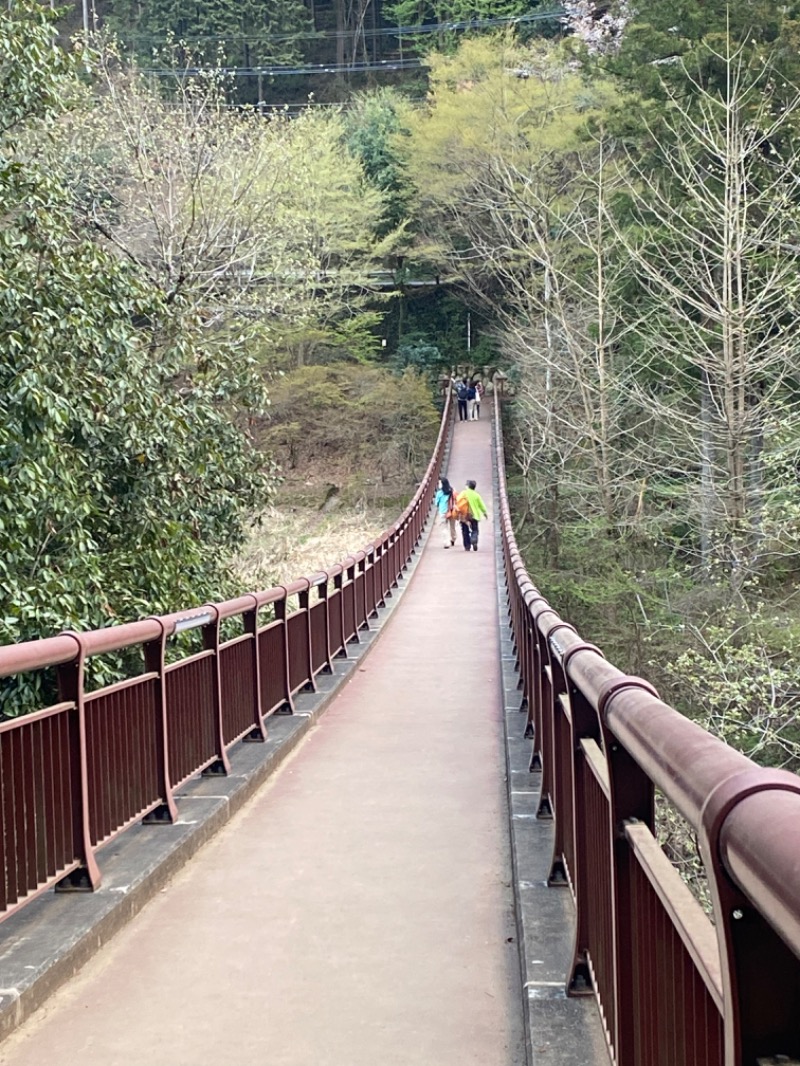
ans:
x=601 y=31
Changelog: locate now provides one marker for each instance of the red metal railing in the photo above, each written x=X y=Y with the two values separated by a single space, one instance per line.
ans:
x=674 y=989
x=75 y=775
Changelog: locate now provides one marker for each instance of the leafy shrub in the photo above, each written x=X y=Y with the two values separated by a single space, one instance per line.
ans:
x=125 y=477
x=375 y=427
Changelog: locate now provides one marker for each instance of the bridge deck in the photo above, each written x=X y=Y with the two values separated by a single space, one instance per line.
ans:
x=359 y=909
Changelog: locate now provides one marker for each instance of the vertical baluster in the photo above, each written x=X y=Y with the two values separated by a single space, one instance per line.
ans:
x=221 y=765
x=632 y=797
x=561 y=787
x=281 y=611
x=395 y=566
x=154 y=655
x=71 y=689
x=351 y=565
x=366 y=608
x=760 y=973
x=338 y=584
x=250 y=625
x=323 y=588
x=304 y=596
x=584 y=726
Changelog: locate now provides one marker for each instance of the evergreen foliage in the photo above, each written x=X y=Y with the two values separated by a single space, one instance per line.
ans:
x=374 y=125
x=631 y=226
x=447 y=14
x=244 y=34
x=370 y=415
x=125 y=478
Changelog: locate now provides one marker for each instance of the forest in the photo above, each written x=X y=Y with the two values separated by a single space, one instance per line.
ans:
x=221 y=321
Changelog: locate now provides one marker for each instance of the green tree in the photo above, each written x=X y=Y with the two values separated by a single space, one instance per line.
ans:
x=124 y=475
x=483 y=116
x=245 y=34
x=416 y=350
x=374 y=126
x=444 y=14
x=710 y=237
x=184 y=187
x=366 y=419
x=264 y=227
x=331 y=214
x=696 y=33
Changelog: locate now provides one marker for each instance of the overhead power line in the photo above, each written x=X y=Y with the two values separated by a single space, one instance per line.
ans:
x=385 y=31
x=267 y=72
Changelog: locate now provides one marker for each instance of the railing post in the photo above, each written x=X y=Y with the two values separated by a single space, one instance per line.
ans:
x=760 y=973
x=412 y=522
x=154 y=654
x=250 y=626
x=338 y=584
x=549 y=696
x=560 y=759
x=304 y=596
x=632 y=797
x=405 y=549
x=521 y=646
x=210 y=633
x=402 y=561
x=583 y=726
x=518 y=612
x=362 y=569
x=281 y=611
x=526 y=703
x=395 y=566
x=324 y=598
x=379 y=581
x=527 y=631
x=371 y=599
x=538 y=689
x=386 y=568
x=350 y=564
x=86 y=878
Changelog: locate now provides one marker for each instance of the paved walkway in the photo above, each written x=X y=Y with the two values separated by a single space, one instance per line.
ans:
x=358 y=911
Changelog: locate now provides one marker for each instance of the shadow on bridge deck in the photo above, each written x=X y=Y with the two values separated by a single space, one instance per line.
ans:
x=359 y=910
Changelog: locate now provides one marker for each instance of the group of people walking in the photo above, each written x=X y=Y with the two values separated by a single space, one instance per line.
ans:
x=465 y=509
x=469 y=394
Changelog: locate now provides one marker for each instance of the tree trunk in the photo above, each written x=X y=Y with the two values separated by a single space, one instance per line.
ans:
x=706 y=471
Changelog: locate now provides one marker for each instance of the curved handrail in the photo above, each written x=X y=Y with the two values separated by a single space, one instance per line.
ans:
x=664 y=977
x=75 y=775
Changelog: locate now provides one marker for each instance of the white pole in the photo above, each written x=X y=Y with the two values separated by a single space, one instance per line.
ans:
x=469 y=332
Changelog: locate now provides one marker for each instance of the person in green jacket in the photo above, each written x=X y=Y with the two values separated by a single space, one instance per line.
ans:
x=477 y=511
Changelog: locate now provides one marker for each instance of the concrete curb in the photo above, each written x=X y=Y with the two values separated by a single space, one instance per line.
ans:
x=559 y=1031
x=47 y=942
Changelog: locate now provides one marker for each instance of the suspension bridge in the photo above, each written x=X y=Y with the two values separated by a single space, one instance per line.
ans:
x=399 y=811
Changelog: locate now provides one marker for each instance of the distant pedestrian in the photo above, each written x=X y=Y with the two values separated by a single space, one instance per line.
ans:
x=445 y=500
x=470 y=515
x=462 y=388
x=476 y=409
x=471 y=400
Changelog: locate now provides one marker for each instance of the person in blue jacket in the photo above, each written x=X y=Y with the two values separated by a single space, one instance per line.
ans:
x=444 y=500
x=461 y=388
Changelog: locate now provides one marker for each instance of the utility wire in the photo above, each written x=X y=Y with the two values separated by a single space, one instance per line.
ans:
x=386 y=31
x=308 y=69
x=268 y=72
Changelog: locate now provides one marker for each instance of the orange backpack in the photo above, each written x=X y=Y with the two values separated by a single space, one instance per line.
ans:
x=459 y=508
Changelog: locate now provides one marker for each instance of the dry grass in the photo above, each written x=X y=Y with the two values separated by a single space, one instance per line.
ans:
x=292 y=543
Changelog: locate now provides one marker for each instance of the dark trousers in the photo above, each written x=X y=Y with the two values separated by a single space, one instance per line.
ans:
x=462 y=410
x=469 y=534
